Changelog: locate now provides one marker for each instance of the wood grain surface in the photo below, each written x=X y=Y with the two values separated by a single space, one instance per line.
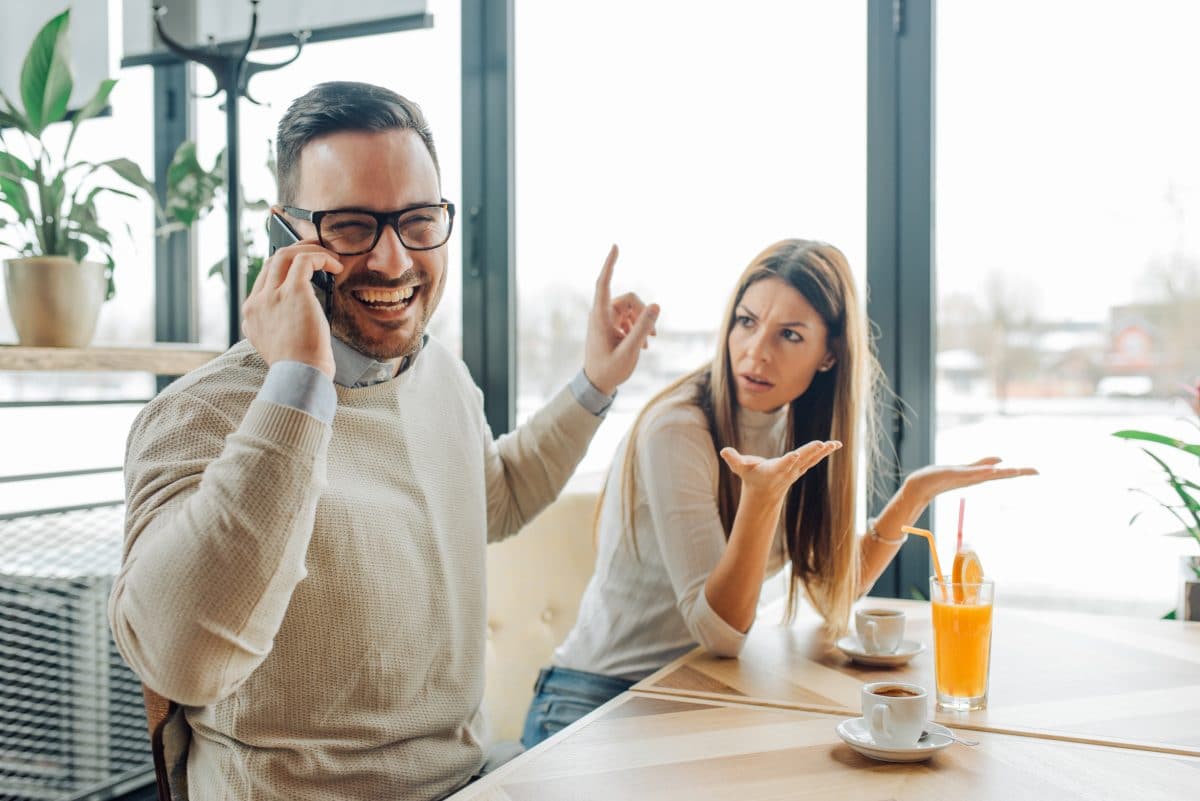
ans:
x=1089 y=678
x=163 y=359
x=645 y=747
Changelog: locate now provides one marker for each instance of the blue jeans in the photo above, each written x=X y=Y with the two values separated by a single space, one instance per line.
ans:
x=562 y=696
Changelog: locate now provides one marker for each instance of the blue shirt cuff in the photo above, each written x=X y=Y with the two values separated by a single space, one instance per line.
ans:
x=588 y=396
x=302 y=387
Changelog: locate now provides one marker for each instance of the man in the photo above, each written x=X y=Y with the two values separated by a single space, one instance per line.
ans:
x=307 y=516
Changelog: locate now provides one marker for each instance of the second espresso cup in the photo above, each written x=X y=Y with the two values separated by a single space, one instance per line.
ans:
x=895 y=713
x=879 y=630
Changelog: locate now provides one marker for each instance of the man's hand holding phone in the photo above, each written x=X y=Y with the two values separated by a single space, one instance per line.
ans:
x=282 y=317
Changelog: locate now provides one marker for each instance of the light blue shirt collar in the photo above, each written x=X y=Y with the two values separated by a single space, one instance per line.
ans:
x=355 y=369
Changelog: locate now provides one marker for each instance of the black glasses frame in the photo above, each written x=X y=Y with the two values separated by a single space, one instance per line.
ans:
x=382 y=218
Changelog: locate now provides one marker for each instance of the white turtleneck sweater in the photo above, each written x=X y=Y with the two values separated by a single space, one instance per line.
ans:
x=643 y=609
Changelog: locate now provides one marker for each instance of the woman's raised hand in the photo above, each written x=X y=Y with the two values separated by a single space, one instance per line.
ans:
x=929 y=482
x=773 y=477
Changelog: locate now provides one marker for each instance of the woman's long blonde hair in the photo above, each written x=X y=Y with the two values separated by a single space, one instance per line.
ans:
x=841 y=404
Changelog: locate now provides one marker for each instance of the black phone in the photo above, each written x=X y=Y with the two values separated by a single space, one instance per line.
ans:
x=280 y=234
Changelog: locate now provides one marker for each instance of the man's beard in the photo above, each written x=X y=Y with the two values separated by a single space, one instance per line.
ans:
x=345 y=326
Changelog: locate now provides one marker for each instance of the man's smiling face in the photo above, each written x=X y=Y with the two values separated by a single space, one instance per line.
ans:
x=385 y=297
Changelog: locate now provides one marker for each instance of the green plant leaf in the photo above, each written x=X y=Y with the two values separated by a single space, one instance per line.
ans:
x=1147 y=436
x=53 y=219
x=13 y=167
x=89 y=110
x=1169 y=615
x=108 y=275
x=182 y=163
x=77 y=249
x=13 y=194
x=1176 y=484
x=131 y=172
x=10 y=117
x=97 y=104
x=1192 y=528
x=191 y=189
x=46 y=82
x=254 y=265
x=84 y=214
x=91 y=196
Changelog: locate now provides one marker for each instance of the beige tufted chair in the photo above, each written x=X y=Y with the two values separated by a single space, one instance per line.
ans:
x=535 y=581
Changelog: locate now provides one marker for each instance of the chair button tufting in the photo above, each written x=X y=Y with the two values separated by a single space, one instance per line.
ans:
x=547 y=615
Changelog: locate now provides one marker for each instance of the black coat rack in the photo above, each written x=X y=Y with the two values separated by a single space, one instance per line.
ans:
x=232 y=70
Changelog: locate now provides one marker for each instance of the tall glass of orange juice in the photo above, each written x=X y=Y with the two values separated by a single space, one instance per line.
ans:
x=962 y=641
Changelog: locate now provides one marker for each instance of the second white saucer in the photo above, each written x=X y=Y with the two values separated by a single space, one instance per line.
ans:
x=855 y=733
x=852 y=647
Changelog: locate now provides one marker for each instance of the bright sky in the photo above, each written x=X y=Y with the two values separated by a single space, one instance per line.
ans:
x=1062 y=127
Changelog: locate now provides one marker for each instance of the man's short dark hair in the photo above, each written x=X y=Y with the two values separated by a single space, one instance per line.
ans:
x=342 y=106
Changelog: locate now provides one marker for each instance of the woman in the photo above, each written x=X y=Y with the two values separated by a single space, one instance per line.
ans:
x=704 y=500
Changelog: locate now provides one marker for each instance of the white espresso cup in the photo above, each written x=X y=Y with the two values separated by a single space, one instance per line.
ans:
x=894 y=712
x=879 y=630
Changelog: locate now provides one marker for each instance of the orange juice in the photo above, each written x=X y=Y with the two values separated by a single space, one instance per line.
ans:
x=962 y=638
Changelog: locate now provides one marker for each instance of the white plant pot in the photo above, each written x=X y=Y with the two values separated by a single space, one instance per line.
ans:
x=54 y=301
x=1189 y=591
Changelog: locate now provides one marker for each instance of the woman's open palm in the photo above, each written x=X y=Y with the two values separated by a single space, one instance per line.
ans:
x=773 y=477
x=929 y=482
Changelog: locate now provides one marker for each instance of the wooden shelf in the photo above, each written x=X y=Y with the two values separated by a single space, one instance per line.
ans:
x=166 y=359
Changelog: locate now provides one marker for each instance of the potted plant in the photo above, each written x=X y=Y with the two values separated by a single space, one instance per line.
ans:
x=63 y=271
x=1184 y=506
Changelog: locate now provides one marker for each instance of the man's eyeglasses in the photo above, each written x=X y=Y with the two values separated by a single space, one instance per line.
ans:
x=352 y=232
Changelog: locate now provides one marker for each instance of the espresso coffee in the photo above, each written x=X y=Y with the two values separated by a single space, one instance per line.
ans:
x=895 y=712
x=881 y=612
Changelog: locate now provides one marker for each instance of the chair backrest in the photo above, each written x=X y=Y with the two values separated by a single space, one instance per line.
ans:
x=535 y=581
x=158 y=710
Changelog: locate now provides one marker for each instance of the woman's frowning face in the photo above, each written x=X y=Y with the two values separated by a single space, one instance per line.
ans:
x=777 y=345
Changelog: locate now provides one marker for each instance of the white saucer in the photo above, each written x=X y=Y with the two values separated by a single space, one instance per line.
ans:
x=852 y=647
x=855 y=733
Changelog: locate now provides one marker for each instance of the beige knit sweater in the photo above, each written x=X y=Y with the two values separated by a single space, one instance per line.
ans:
x=314 y=598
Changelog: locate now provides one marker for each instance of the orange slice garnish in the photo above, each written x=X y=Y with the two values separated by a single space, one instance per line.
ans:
x=967 y=570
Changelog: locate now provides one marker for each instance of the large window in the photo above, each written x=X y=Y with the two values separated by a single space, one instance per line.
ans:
x=423 y=65
x=70 y=711
x=1068 y=286
x=692 y=135
x=61 y=438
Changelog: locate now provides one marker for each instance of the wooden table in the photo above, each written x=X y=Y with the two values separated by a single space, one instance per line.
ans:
x=1094 y=679
x=640 y=746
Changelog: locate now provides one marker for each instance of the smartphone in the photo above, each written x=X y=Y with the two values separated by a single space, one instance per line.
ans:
x=280 y=234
